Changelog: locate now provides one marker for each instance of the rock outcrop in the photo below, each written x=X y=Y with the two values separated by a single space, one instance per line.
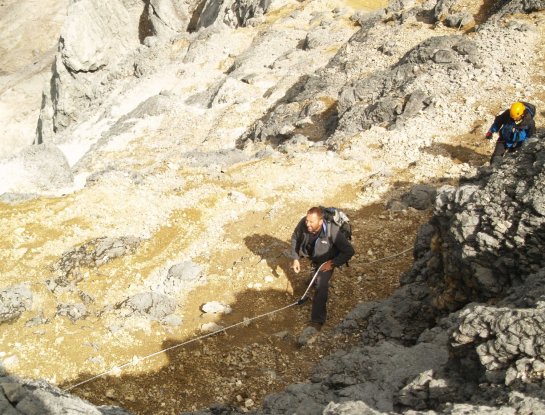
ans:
x=467 y=324
x=345 y=99
x=96 y=36
x=464 y=332
x=233 y=13
x=19 y=397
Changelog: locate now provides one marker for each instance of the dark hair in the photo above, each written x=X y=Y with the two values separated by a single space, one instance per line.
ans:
x=318 y=211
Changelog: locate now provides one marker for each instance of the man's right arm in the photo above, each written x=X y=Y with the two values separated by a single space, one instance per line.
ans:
x=499 y=121
x=296 y=239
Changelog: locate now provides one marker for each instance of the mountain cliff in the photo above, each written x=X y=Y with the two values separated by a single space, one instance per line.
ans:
x=177 y=145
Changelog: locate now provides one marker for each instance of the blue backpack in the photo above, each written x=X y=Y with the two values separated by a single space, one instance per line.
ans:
x=512 y=134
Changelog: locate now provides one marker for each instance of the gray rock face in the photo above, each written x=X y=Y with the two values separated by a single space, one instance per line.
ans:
x=18 y=397
x=233 y=13
x=386 y=98
x=522 y=6
x=509 y=342
x=14 y=301
x=96 y=36
x=493 y=229
x=168 y=17
x=420 y=197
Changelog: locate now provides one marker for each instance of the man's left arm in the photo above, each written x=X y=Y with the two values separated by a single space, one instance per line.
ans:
x=345 y=250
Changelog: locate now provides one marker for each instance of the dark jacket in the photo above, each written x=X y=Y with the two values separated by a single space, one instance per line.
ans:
x=511 y=133
x=329 y=243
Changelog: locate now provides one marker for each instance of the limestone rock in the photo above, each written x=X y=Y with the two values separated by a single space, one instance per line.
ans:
x=233 y=13
x=168 y=17
x=19 y=397
x=42 y=168
x=14 y=300
x=420 y=197
x=96 y=36
x=216 y=307
x=73 y=311
x=153 y=305
x=180 y=278
x=91 y=254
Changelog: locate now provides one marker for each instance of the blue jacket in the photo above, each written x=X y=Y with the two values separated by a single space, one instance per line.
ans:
x=514 y=134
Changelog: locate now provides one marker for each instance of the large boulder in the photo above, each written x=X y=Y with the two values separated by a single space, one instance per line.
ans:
x=41 y=168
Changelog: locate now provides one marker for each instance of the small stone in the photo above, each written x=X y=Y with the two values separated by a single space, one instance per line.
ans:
x=307 y=336
x=210 y=327
x=216 y=307
x=110 y=394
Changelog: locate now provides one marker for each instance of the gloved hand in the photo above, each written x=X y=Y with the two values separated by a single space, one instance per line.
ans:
x=488 y=135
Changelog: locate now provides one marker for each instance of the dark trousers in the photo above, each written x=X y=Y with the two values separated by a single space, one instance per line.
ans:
x=321 y=288
x=500 y=151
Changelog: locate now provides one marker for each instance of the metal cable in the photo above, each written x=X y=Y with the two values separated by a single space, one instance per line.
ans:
x=137 y=360
x=388 y=257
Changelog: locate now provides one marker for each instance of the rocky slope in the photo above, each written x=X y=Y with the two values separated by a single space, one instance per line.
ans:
x=464 y=332
x=180 y=143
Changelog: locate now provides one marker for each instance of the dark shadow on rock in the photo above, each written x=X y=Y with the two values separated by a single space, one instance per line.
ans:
x=192 y=26
x=239 y=361
x=487 y=9
x=145 y=27
x=458 y=153
x=272 y=250
x=245 y=361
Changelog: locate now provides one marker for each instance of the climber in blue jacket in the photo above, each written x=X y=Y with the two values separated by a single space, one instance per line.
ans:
x=515 y=125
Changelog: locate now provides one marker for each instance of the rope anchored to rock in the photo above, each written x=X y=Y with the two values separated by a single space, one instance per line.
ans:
x=136 y=360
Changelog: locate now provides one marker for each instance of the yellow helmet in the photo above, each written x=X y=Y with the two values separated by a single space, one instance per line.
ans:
x=517 y=110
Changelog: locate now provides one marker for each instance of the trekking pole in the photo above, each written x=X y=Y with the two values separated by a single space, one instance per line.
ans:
x=303 y=299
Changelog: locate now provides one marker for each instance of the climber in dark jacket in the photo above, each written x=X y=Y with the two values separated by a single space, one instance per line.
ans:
x=325 y=245
x=515 y=125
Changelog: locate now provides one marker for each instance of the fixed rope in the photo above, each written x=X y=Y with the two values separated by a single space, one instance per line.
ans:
x=136 y=360
x=388 y=257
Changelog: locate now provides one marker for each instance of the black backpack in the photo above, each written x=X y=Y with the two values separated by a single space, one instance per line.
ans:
x=339 y=218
